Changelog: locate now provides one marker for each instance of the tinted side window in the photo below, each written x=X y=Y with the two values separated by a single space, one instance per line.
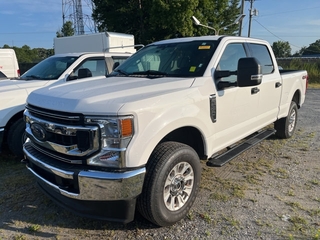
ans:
x=97 y=67
x=261 y=53
x=119 y=59
x=229 y=59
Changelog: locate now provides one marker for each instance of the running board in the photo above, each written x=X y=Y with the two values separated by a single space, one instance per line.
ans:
x=220 y=160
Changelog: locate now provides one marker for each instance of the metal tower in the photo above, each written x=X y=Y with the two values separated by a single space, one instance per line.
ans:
x=79 y=14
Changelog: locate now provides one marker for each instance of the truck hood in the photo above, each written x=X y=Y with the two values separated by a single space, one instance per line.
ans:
x=10 y=85
x=13 y=93
x=101 y=96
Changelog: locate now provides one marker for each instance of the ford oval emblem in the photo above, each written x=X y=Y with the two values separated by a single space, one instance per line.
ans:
x=38 y=131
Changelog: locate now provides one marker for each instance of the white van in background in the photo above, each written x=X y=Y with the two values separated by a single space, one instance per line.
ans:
x=9 y=63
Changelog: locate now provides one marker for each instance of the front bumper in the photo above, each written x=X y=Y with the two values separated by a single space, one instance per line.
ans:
x=96 y=194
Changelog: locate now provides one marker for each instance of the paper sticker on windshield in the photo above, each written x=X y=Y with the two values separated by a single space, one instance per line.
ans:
x=204 y=47
x=192 y=69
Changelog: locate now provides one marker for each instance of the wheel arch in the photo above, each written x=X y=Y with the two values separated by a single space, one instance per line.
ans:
x=12 y=120
x=190 y=136
x=297 y=98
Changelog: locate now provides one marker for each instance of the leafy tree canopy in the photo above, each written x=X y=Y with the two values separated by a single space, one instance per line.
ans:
x=281 y=49
x=66 y=30
x=153 y=20
x=27 y=55
x=314 y=48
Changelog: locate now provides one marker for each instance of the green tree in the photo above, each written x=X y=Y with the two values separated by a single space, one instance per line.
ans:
x=281 y=49
x=27 y=55
x=314 y=48
x=299 y=53
x=220 y=15
x=152 y=20
x=66 y=30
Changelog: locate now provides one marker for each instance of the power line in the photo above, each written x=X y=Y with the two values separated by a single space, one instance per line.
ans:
x=275 y=34
x=298 y=10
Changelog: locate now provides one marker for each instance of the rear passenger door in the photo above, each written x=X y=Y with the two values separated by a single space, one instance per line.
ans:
x=271 y=86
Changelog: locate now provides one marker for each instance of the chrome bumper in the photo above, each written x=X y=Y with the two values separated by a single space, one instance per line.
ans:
x=93 y=185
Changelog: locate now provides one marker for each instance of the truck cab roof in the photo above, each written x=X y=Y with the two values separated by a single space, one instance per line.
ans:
x=207 y=38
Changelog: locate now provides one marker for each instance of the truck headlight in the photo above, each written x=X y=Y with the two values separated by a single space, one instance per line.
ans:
x=116 y=133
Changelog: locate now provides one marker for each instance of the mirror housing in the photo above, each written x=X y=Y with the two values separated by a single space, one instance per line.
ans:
x=115 y=65
x=249 y=72
x=72 y=77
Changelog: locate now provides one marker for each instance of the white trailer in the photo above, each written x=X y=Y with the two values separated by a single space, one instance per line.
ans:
x=97 y=42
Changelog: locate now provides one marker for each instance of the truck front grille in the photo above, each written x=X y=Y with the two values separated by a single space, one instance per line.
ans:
x=60 y=135
x=56 y=116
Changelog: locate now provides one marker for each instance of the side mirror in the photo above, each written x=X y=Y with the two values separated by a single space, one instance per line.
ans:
x=249 y=72
x=84 y=73
x=115 y=65
x=72 y=77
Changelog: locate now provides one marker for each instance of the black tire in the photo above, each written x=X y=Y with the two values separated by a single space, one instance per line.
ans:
x=286 y=126
x=16 y=137
x=173 y=173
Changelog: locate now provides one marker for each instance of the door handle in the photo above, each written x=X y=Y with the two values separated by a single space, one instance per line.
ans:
x=255 y=90
x=278 y=84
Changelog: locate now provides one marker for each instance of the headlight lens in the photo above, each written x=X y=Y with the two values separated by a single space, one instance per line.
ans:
x=116 y=133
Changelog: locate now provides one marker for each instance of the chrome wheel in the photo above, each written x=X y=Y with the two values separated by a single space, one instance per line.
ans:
x=292 y=121
x=178 y=186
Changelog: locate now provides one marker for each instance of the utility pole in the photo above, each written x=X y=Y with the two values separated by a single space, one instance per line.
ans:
x=241 y=12
x=252 y=12
x=250 y=17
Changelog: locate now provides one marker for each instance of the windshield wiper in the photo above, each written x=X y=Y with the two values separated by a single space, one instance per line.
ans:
x=151 y=73
x=33 y=77
x=121 y=72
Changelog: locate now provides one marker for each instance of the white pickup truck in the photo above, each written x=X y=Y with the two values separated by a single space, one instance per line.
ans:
x=104 y=146
x=57 y=69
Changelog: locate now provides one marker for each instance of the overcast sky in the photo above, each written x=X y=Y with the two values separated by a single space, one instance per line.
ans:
x=35 y=23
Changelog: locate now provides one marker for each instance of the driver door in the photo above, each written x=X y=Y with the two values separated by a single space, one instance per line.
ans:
x=237 y=107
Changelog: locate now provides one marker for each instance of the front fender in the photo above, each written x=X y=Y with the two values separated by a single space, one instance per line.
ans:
x=152 y=126
x=11 y=104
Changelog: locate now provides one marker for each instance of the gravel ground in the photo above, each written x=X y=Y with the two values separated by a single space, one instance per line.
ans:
x=272 y=191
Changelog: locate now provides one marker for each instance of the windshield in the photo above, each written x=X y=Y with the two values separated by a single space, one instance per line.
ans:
x=49 y=69
x=179 y=59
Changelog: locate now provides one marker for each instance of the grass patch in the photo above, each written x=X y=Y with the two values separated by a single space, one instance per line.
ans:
x=295 y=205
x=290 y=193
x=20 y=237
x=300 y=224
x=259 y=166
x=315 y=182
x=206 y=217
x=233 y=222
x=314 y=212
x=280 y=173
x=253 y=179
x=314 y=85
x=34 y=228
x=219 y=197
